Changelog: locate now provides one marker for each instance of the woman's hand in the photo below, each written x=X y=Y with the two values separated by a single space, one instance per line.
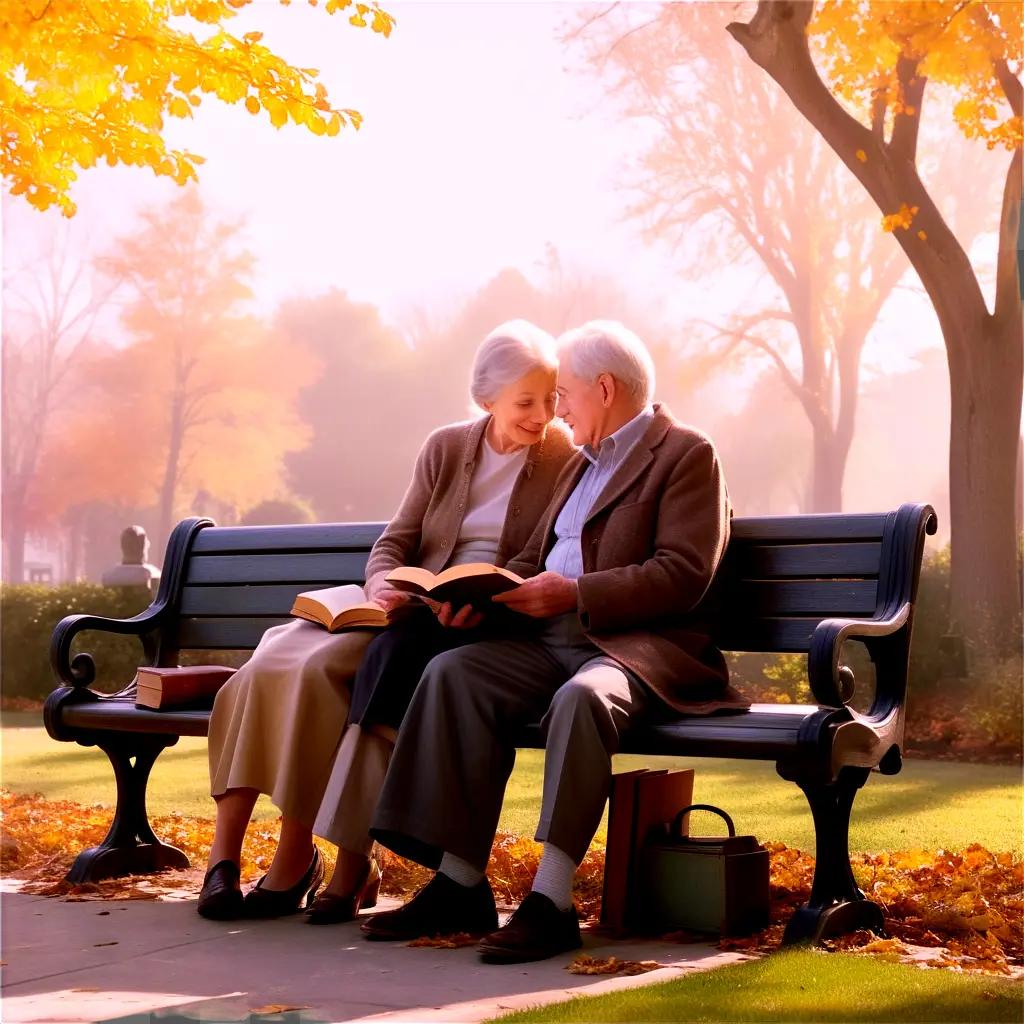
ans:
x=541 y=596
x=390 y=598
x=467 y=617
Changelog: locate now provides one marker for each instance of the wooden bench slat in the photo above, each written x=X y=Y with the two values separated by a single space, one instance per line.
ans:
x=227 y=634
x=748 y=560
x=806 y=528
x=304 y=537
x=806 y=597
x=121 y=715
x=333 y=568
x=247 y=599
x=785 y=636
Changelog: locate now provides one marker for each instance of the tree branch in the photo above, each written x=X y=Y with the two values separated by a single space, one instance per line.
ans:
x=1008 y=281
x=907 y=121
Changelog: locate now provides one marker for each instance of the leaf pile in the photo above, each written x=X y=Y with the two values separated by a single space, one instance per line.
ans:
x=611 y=965
x=967 y=906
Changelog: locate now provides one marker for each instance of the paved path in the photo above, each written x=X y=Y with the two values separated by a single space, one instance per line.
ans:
x=138 y=961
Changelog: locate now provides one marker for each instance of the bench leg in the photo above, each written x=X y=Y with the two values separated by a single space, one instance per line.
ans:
x=130 y=847
x=837 y=906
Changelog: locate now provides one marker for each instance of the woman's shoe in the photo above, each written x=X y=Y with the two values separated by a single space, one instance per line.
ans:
x=260 y=902
x=221 y=895
x=331 y=909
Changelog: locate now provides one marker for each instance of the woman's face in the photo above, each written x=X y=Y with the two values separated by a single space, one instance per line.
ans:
x=525 y=407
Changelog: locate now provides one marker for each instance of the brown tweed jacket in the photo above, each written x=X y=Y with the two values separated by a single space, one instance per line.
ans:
x=424 y=529
x=651 y=545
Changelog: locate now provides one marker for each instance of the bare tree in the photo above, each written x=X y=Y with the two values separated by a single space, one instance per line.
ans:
x=51 y=309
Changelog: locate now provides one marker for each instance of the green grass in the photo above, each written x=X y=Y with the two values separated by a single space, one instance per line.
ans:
x=800 y=986
x=930 y=804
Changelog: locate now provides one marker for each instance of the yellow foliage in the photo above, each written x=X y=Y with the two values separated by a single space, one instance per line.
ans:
x=902 y=218
x=958 y=45
x=80 y=82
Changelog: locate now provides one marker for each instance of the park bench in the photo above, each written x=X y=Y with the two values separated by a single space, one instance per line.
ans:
x=787 y=584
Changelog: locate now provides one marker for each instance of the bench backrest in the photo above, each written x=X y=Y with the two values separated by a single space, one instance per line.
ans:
x=780 y=577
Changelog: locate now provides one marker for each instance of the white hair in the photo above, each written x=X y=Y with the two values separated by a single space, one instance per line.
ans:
x=509 y=352
x=606 y=346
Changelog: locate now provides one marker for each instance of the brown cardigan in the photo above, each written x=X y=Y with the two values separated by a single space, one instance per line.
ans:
x=426 y=526
x=651 y=544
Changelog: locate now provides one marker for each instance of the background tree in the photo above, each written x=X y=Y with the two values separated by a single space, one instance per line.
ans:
x=863 y=91
x=728 y=194
x=204 y=396
x=51 y=307
x=366 y=410
x=87 y=82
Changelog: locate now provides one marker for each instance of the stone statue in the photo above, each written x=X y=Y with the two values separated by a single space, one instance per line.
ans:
x=135 y=570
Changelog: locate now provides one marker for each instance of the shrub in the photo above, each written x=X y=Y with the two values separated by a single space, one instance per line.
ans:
x=29 y=612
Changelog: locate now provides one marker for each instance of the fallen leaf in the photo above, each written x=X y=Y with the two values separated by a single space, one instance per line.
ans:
x=455 y=941
x=278 y=1008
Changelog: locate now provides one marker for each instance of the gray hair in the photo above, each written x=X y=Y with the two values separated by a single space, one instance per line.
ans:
x=509 y=352
x=606 y=346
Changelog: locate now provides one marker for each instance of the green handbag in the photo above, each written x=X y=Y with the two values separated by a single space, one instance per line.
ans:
x=716 y=884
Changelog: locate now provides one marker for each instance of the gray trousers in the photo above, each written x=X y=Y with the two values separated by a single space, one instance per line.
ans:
x=455 y=750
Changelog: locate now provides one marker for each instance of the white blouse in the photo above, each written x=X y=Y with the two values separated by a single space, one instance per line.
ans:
x=494 y=476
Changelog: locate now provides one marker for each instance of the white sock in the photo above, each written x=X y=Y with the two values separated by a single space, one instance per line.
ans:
x=461 y=871
x=554 y=876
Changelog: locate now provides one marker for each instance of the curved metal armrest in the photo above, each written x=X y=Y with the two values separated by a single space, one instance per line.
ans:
x=831 y=683
x=80 y=671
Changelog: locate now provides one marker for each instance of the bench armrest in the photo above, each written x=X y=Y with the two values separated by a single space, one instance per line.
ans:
x=888 y=641
x=80 y=671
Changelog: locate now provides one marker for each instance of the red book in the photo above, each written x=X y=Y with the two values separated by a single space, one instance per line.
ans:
x=617 y=847
x=189 y=685
x=660 y=795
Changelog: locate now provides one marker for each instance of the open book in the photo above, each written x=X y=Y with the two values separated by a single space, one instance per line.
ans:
x=340 y=608
x=473 y=583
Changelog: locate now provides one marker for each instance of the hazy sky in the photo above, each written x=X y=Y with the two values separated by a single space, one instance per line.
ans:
x=481 y=144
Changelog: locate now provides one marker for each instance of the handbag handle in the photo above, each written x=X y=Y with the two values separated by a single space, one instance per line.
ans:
x=677 y=822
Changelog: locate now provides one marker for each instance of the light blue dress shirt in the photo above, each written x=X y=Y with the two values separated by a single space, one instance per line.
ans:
x=566 y=557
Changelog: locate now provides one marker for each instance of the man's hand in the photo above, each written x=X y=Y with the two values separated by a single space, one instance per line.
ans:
x=541 y=596
x=465 y=618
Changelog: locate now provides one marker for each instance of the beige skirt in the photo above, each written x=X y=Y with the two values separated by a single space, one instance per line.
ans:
x=277 y=722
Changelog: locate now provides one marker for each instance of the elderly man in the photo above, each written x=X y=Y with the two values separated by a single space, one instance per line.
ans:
x=636 y=528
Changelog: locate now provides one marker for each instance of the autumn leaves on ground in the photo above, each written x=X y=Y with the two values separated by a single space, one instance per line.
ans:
x=968 y=906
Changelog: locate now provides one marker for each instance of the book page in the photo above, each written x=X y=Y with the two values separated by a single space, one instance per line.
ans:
x=411 y=575
x=470 y=569
x=334 y=600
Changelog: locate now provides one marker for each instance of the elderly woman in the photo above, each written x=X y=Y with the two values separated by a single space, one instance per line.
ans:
x=478 y=489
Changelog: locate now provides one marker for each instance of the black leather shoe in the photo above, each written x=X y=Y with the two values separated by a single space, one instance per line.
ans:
x=260 y=902
x=221 y=895
x=441 y=907
x=536 y=931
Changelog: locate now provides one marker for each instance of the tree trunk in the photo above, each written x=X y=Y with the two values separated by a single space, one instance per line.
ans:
x=170 y=482
x=827 y=469
x=984 y=350
x=985 y=388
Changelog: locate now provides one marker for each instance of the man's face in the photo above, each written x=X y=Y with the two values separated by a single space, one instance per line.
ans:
x=581 y=405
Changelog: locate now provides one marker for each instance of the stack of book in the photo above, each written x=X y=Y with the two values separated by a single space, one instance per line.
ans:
x=641 y=801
